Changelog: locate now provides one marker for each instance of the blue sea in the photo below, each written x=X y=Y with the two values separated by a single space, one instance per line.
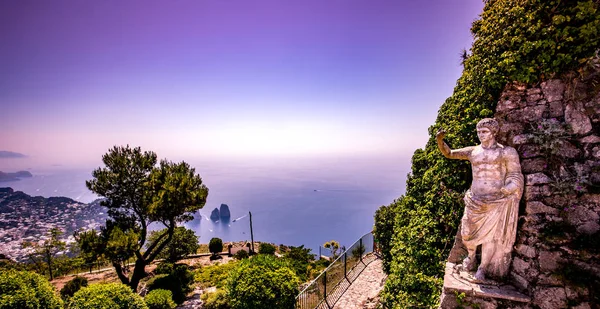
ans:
x=293 y=202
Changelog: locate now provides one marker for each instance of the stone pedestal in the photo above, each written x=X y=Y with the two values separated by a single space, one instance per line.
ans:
x=462 y=290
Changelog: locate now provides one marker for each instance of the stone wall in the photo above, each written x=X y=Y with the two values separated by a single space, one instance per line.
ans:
x=555 y=127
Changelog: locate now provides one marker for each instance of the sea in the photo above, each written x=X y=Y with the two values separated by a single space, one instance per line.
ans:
x=293 y=202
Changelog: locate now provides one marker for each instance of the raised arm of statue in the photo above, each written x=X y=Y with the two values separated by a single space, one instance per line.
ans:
x=513 y=183
x=461 y=154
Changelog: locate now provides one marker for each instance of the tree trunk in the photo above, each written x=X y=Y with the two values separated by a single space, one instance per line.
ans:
x=139 y=272
x=49 y=259
x=120 y=273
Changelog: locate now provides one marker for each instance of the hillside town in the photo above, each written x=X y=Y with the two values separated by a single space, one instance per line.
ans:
x=29 y=218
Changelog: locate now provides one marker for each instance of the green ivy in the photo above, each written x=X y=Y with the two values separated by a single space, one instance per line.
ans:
x=514 y=40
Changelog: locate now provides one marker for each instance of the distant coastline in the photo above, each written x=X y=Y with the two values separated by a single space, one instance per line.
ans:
x=14 y=176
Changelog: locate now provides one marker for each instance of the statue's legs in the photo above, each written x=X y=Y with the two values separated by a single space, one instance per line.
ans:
x=488 y=250
x=470 y=261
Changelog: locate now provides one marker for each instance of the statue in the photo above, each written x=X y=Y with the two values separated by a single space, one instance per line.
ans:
x=492 y=202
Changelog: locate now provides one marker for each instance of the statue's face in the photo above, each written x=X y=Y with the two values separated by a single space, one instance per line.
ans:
x=484 y=134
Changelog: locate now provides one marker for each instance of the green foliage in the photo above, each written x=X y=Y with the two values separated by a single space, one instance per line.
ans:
x=183 y=243
x=137 y=193
x=160 y=299
x=106 y=296
x=300 y=260
x=263 y=281
x=266 y=248
x=241 y=254
x=164 y=268
x=26 y=290
x=216 y=300
x=383 y=232
x=90 y=246
x=178 y=282
x=515 y=40
x=215 y=246
x=73 y=286
x=214 y=275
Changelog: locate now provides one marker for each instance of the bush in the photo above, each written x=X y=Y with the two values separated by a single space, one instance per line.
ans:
x=73 y=286
x=106 y=296
x=266 y=248
x=215 y=246
x=160 y=299
x=167 y=282
x=164 y=268
x=214 y=275
x=216 y=300
x=241 y=254
x=178 y=282
x=24 y=290
x=262 y=282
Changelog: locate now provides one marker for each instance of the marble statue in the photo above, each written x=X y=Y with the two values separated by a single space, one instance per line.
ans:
x=492 y=202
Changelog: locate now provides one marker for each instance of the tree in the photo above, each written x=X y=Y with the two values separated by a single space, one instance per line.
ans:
x=27 y=290
x=184 y=243
x=106 y=296
x=334 y=246
x=263 y=281
x=215 y=246
x=47 y=250
x=90 y=247
x=138 y=193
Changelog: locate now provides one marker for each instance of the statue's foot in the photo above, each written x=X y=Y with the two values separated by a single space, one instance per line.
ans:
x=479 y=275
x=468 y=264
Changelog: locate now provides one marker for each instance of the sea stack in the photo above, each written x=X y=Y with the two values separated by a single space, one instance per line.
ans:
x=225 y=214
x=214 y=215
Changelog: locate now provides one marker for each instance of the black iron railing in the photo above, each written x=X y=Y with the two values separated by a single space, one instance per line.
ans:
x=330 y=285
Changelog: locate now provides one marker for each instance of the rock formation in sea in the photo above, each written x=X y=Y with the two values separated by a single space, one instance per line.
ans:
x=215 y=215
x=225 y=214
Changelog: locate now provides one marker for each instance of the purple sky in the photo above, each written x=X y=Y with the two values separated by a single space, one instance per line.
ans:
x=226 y=78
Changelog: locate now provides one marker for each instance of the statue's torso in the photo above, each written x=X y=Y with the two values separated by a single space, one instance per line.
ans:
x=489 y=171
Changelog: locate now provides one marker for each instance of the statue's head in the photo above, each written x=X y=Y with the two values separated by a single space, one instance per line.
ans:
x=491 y=125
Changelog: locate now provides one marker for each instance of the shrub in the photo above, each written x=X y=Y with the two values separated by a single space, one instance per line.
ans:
x=106 y=296
x=216 y=300
x=24 y=290
x=383 y=232
x=178 y=282
x=73 y=286
x=241 y=254
x=262 y=282
x=164 y=268
x=214 y=275
x=215 y=246
x=266 y=248
x=160 y=299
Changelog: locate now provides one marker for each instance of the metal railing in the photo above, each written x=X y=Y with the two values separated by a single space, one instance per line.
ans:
x=330 y=285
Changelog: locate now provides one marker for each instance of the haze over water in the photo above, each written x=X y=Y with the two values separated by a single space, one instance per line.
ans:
x=293 y=201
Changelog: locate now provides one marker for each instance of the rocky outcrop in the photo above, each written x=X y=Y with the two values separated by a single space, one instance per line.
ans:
x=555 y=127
x=215 y=215
x=224 y=210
